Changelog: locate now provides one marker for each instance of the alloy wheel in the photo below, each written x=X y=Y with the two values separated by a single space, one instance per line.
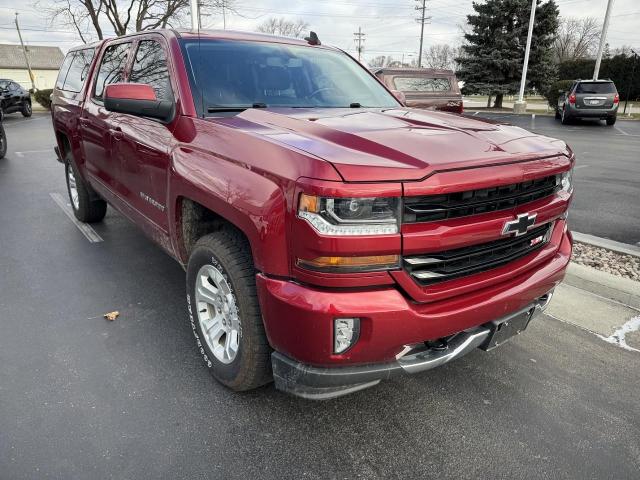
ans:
x=217 y=313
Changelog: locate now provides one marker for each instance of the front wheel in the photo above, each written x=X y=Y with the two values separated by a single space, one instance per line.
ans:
x=3 y=142
x=564 y=118
x=26 y=109
x=84 y=208
x=224 y=311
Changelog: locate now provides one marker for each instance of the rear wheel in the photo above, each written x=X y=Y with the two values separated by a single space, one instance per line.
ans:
x=26 y=109
x=611 y=121
x=85 y=208
x=224 y=311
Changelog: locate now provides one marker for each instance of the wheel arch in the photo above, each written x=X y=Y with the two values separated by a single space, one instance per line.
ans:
x=206 y=193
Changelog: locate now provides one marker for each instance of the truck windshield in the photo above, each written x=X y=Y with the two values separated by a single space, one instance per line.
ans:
x=234 y=75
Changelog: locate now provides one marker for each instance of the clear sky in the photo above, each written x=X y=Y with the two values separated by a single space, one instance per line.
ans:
x=389 y=25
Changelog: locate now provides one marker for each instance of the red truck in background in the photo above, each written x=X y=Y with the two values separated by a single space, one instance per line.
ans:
x=331 y=237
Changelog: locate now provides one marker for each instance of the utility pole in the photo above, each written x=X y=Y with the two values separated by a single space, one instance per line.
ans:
x=520 y=106
x=603 y=39
x=26 y=57
x=195 y=15
x=422 y=19
x=633 y=69
x=359 y=39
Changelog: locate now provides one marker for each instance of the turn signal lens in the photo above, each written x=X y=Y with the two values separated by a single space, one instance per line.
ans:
x=351 y=264
x=345 y=333
x=309 y=203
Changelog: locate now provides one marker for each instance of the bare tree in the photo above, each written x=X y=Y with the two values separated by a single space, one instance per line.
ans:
x=87 y=17
x=441 y=55
x=284 y=27
x=576 y=38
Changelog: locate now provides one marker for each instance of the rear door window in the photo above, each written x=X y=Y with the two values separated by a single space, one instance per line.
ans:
x=78 y=70
x=64 y=69
x=422 y=84
x=112 y=67
x=596 y=87
x=150 y=67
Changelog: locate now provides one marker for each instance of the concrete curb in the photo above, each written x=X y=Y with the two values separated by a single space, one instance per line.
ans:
x=604 y=284
x=606 y=243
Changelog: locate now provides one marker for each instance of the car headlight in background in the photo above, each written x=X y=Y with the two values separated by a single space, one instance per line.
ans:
x=566 y=181
x=351 y=216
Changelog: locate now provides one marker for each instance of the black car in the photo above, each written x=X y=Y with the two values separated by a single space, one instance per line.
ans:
x=14 y=98
x=589 y=99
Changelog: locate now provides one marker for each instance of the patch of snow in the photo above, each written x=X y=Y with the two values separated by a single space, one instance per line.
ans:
x=618 y=337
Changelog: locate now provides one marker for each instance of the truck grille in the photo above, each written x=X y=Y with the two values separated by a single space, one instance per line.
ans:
x=446 y=265
x=430 y=208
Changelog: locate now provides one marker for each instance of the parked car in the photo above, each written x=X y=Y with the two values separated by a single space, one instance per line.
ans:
x=331 y=237
x=14 y=98
x=424 y=87
x=589 y=99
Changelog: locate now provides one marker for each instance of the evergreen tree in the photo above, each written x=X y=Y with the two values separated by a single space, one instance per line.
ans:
x=492 y=57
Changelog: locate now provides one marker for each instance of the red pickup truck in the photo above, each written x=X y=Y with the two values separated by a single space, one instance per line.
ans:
x=331 y=237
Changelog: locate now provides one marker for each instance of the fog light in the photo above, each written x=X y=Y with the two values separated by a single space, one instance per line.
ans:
x=345 y=333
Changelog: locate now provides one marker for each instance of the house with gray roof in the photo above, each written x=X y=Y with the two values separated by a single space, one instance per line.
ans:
x=44 y=61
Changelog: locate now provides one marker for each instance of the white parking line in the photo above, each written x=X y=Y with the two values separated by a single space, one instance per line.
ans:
x=620 y=130
x=580 y=166
x=27 y=152
x=86 y=230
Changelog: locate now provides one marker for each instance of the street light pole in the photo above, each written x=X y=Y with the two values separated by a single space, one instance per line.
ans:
x=633 y=69
x=520 y=106
x=195 y=16
x=603 y=39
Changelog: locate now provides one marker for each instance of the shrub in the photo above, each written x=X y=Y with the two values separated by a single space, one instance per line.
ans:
x=553 y=92
x=43 y=97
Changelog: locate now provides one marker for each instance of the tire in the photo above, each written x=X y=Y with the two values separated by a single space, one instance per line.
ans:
x=26 y=109
x=564 y=118
x=221 y=266
x=84 y=208
x=611 y=121
x=557 y=114
x=3 y=142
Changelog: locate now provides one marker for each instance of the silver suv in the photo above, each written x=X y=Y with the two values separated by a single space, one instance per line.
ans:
x=589 y=99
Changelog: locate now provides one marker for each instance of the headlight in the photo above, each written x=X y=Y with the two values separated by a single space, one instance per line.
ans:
x=566 y=181
x=351 y=216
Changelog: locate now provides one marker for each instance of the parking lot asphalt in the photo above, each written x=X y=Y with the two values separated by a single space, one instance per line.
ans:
x=85 y=398
x=607 y=174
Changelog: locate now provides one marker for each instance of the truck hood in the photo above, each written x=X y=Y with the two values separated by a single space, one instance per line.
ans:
x=395 y=144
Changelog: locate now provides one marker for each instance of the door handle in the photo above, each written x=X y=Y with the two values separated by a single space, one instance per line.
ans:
x=116 y=133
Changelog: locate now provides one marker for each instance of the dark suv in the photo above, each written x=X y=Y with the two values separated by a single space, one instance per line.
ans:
x=589 y=99
x=14 y=98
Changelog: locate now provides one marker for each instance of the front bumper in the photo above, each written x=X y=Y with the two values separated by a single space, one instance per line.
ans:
x=320 y=383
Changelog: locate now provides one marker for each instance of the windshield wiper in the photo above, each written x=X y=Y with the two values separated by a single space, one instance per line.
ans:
x=241 y=108
x=355 y=105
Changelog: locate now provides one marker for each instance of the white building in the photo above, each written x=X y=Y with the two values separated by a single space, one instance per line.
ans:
x=44 y=61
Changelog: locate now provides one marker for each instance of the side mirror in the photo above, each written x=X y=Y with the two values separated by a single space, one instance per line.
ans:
x=136 y=99
x=399 y=96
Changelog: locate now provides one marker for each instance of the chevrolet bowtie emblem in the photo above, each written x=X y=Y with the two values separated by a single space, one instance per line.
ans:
x=520 y=225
